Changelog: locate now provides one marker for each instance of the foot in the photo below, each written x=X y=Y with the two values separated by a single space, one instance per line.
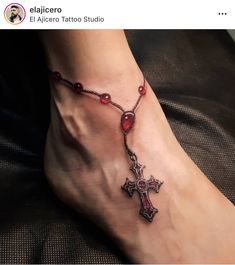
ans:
x=86 y=164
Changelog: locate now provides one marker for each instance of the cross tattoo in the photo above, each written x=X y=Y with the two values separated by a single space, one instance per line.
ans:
x=142 y=186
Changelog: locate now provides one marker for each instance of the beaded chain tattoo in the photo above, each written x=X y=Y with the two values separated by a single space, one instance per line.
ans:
x=141 y=185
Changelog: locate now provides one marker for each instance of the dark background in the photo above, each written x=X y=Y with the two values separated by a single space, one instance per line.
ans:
x=193 y=74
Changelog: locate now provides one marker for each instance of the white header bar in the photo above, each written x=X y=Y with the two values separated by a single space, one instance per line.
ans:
x=117 y=14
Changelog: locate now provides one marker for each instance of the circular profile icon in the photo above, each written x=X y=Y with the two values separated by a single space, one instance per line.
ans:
x=14 y=13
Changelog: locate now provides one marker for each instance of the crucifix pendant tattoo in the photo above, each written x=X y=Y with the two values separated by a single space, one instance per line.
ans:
x=142 y=186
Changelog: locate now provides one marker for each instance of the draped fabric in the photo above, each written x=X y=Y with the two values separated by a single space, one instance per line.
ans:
x=193 y=75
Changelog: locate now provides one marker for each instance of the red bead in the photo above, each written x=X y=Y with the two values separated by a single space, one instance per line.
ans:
x=127 y=121
x=78 y=87
x=56 y=75
x=105 y=98
x=142 y=90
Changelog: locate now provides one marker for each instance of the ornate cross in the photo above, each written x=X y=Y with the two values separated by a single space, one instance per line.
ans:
x=142 y=186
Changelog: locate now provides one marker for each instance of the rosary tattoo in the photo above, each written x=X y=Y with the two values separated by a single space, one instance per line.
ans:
x=141 y=185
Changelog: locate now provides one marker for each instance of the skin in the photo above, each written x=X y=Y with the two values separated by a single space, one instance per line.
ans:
x=86 y=163
x=14 y=12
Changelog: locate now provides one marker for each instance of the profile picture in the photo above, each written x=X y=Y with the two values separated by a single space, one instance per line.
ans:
x=14 y=13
